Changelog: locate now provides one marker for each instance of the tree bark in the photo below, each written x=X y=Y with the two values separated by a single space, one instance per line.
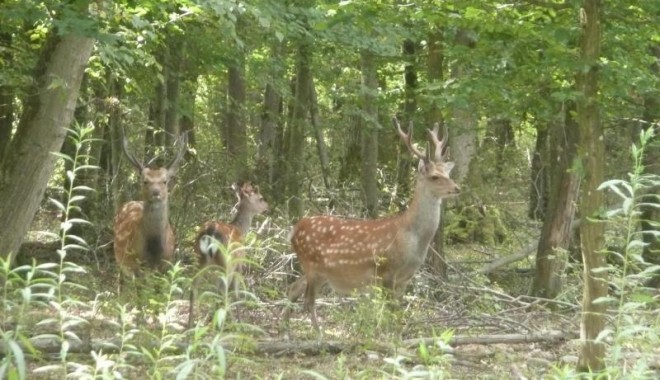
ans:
x=592 y=157
x=297 y=127
x=651 y=215
x=6 y=101
x=48 y=111
x=270 y=131
x=321 y=147
x=437 y=261
x=369 y=134
x=551 y=256
x=174 y=61
x=538 y=187
x=236 y=139
x=463 y=132
x=409 y=110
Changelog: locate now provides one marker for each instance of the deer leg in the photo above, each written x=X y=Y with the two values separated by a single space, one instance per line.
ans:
x=295 y=291
x=310 y=300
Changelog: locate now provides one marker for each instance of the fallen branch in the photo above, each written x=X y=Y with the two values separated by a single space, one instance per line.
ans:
x=548 y=337
x=506 y=260
x=51 y=344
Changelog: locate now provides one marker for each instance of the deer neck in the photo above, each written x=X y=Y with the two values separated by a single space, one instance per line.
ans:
x=423 y=214
x=242 y=221
x=154 y=230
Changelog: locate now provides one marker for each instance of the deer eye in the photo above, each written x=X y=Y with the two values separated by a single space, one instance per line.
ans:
x=435 y=177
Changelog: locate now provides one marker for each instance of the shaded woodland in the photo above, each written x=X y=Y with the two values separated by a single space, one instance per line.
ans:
x=552 y=116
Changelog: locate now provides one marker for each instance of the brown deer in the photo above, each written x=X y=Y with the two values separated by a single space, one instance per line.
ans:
x=218 y=243
x=143 y=234
x=350 y=254
x=214 y=234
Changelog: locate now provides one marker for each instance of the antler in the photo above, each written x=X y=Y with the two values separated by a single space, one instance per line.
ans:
x=438 y=154
x=407 y=138
x=129 y=155
x=182 y=143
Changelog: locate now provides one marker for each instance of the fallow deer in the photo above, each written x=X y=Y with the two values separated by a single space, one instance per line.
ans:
x=214 y=234
x=351 y=254
x=142 y=232
x=218 y=243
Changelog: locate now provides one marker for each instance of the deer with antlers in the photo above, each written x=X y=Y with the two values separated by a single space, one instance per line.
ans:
x=143 y=235
x=218 y=243
x=351 y=254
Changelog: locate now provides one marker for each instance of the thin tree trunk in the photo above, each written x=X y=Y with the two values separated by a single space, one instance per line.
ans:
x=48 y=111
x=153 y=137
x=437 y=259
x=6 y=101
x=369 y=134
x=409 y=111
x=270 y=129
x=318 y=134
x=463 y=132
x=538 y=187
x=297 y=129
x=171 y=125
x=651 y=215
x=551 y=256
x=115 y=126
x=592 y=157
x=236 y=140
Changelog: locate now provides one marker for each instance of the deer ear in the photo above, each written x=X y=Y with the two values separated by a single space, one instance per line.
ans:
x=421 y=167
x=448 y=166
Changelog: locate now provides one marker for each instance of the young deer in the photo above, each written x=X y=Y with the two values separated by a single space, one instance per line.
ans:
x=212 y=235
x=217 y=239
x=350 y=254
x=143 y=234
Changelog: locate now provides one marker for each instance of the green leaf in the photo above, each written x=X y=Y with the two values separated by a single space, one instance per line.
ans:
x=60 y=206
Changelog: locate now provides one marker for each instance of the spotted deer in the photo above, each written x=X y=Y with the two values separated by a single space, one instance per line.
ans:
x=215 y=234
x=217 y=240
x=351 y=254
x=143 y=235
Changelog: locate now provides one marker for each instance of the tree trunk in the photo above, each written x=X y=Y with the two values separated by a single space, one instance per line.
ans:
x=157 y=113
x=551 y=256
x=369 y=134
x=592 y=156
x=436 y=259
x=321 y=147
x=650 y=214
x=297 y=127
x=463 y=132
x=538 y=187
x=6 y=101
x=173 y=89
x=269 y=141
x=47 y=113
x=236 y=139
x=409 y=110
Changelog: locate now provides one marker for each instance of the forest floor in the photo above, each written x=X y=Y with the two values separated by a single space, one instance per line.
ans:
x=470 y=326
x=464 y=328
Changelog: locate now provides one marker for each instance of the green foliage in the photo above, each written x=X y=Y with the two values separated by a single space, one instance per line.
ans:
x=635 y=328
